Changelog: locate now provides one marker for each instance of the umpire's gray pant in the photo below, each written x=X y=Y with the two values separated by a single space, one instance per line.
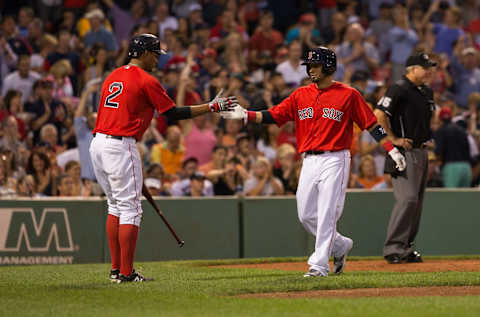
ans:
x=408 y=191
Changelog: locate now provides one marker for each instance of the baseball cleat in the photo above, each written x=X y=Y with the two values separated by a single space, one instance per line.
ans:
x=339 y=263
x=314 y=273
x=134 y=277
x=114 y=275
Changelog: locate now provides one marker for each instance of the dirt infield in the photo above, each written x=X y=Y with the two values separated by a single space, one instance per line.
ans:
x=375 y=265
x=375 y=292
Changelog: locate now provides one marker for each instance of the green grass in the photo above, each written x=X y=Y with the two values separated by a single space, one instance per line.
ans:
x=189 y=288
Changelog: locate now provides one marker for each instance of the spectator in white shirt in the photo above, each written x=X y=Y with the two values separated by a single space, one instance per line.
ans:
x=22 y=79
x=291 y=70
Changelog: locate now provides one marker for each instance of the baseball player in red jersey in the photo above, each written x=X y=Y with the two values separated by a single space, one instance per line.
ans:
x=130 y=95
x=324 y=113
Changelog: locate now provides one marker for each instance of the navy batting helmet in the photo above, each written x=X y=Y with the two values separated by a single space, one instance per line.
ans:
x=324 y=56
x=144 y=42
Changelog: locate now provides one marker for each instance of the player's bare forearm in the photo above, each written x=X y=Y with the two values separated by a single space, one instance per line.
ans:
x=198 y=110
x=258 y=117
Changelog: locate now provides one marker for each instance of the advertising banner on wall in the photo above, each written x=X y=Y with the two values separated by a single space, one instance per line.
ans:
x=51 y=233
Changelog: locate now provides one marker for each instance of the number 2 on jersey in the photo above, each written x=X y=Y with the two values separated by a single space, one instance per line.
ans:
x=115 y=89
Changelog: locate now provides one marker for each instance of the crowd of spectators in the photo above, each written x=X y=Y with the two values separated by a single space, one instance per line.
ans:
x=54 y=55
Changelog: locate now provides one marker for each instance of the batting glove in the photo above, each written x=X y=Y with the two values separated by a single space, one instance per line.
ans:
x=219 y=104
x=398 y=158
x=237 y=113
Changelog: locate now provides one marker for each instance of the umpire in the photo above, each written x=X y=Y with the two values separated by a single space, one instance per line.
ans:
x=405 y=111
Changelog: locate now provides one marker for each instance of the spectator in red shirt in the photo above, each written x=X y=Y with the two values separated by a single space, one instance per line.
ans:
x=226 y=24
x=265 y=39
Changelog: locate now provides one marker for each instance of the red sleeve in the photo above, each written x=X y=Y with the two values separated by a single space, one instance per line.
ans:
x=284 y=111
x=157 y=95
x=362 y=114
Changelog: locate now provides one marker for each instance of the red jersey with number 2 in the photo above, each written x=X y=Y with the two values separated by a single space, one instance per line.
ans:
x=129 y=97
x=324 y=117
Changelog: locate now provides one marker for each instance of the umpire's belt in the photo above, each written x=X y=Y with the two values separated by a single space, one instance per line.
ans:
x=116 y=137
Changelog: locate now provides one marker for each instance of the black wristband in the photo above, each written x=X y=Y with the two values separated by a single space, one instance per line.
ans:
x=267 y=117
x=378 y=133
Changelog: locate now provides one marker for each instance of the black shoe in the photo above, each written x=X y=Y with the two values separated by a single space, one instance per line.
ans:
x=134 y=277
x=394 y=259
x=114 y=275
x=414 y=257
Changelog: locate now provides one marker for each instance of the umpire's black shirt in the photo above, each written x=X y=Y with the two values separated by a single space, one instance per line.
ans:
x=410 y=109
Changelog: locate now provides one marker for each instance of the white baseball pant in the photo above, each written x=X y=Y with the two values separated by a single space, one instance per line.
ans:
x=320 y=199
x=118 y=169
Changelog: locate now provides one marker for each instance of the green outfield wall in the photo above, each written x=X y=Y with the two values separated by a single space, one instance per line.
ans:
x=52 y=231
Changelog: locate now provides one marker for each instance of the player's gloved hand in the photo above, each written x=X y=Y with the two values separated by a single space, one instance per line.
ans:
x=222 y=103
x=398 y=158
x=237 y=113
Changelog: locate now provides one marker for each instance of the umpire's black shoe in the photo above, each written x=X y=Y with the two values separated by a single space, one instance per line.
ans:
x=114 y=275
x=414 y=257
x=394 y=259
x=134 y=277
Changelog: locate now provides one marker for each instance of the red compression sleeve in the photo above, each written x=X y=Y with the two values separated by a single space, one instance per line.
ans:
x=252 y=116
x=388 y=146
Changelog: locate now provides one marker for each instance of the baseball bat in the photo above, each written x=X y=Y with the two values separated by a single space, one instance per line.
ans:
x=148 y=196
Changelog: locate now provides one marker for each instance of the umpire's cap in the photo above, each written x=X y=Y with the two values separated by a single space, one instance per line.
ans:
x=324 y=56
x=420 y=59
x=144 y=42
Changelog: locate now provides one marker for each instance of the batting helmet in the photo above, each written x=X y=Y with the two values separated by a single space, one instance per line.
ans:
x=324 y=56
x=144 y=42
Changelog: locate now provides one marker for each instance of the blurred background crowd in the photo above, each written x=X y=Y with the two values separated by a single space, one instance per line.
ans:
x=54 y=55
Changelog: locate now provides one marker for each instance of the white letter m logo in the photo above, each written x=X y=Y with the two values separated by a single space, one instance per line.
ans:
x=19 y=226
